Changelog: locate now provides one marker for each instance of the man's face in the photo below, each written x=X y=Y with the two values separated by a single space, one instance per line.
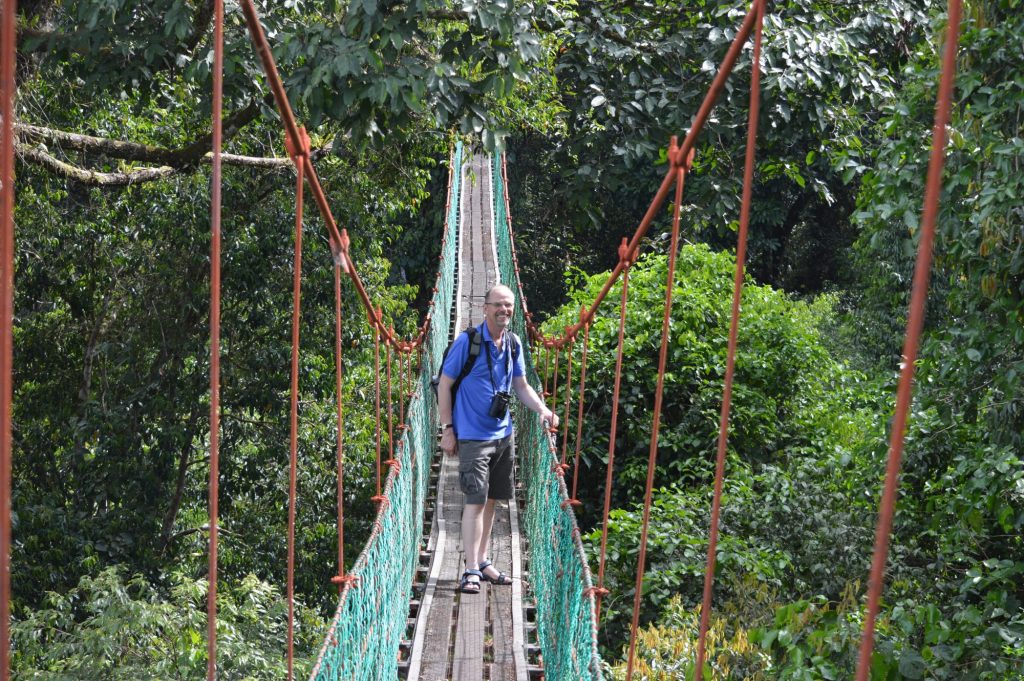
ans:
x=499 y=308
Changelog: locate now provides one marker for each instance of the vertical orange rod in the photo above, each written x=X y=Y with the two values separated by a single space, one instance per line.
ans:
x=376 y=387
x=547 y=368
x=7 y=88
x=568 y=398
x=579 y=414
x=213 y=491
x=391 y=401
x=554 y=378
x=915 y=321
x=730 y=362
x=401 y=385
x=294 y=416
x=680 y=172
x=338 y=375
x=601 y=591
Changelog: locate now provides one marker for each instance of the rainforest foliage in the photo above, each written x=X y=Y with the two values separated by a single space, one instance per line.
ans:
x=111 y=409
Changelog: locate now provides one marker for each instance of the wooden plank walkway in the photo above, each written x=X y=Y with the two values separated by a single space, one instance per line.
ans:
x=464 y=637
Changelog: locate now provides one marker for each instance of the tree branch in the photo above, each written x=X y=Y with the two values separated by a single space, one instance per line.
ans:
x=92 y=177
x=191 y=153
x=96 y=178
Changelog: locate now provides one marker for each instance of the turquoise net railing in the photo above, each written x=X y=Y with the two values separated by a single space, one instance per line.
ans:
x=362 y=642
x=559 y=573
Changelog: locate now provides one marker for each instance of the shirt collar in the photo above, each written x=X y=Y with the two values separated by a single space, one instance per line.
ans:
x=486 y=332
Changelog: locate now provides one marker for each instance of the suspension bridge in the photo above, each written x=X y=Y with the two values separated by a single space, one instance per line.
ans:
x=398 y=612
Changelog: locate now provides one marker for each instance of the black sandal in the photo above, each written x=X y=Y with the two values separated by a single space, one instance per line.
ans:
x=501 y=580
x=467 y=585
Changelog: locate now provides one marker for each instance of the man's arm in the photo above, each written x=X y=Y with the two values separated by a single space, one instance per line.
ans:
x=444 y=412
x=528 y=396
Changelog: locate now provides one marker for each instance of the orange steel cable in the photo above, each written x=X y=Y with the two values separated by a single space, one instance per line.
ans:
x=338 y=376
x=680 y=177
x=7 y=88
x=574 y=500
x=568 y=398
x=915 y=321
x=215 y=206
x=601 y=591
x=730 y=362
x=376 y=392
x=547 y=368
x=298 y=152
x=554 y=381
x=681 y=152
x=391 y=407
x=338 y=246
x=401 y=387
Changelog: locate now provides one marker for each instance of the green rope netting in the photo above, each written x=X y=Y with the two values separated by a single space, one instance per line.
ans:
x=362 y=642
x=559 y=574
x=363 y=639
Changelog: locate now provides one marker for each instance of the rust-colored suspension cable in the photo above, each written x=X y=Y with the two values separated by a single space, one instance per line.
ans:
x=600 y=591
x=680 y=177
x=340 y=398
x=391 y=403
x=730 y=362
x=7 y=87
x=554 y=379
x=568 y=398
x=213 y=490
x=298 y=152
x=376 y=321
x=915 y=321
x=574 y=500
x=402 y=355
x=681 y=152
x=547 y=368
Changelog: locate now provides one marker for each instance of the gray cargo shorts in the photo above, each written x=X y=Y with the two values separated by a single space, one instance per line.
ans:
x=485 y=469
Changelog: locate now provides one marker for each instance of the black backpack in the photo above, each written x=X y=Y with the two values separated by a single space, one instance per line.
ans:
x=475 y=340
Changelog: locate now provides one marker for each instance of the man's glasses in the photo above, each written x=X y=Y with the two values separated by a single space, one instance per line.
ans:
x=508 y=305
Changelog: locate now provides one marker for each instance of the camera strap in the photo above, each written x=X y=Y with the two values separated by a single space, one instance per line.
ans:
x=508 y=362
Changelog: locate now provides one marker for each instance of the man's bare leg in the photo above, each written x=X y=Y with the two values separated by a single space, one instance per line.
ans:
x=485 y=537
x=472 y=533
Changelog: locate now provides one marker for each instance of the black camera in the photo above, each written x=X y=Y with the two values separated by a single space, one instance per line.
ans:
x=499 y=404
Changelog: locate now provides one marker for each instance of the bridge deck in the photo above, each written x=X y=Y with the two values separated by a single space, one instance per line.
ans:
x=466 y=637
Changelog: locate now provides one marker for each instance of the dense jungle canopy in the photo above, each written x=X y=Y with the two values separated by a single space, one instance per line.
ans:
x=111 y=320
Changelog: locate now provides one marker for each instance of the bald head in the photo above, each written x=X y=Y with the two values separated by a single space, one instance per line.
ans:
x=497 y=289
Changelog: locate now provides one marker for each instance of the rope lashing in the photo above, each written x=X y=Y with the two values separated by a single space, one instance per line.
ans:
x=568 y=392
x=730 y=362
x=579 y=416
x=915 y=322
x=213 y=486
x=298 y=149
x=601 y=591
x=679 y=170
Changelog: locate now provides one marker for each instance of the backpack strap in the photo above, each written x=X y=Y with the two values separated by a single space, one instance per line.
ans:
x=475 y=339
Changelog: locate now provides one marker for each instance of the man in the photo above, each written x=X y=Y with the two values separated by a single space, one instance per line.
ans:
x=478 y=427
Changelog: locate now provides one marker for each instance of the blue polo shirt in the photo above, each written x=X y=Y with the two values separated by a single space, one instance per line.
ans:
x=473 y=399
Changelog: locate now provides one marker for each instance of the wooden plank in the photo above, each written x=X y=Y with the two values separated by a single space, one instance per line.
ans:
x=429 y=659
x=503 y=665
x=468 y=659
